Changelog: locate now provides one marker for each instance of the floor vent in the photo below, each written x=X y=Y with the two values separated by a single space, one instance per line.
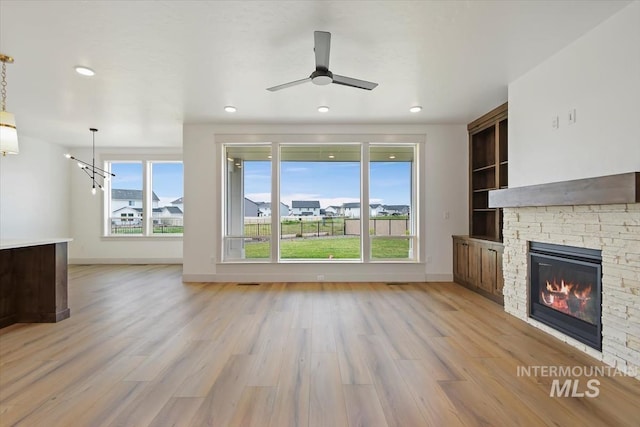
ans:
x=396 y=283
x=248 y=284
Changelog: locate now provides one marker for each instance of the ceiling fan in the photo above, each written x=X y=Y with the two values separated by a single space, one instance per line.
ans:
x=322 y=76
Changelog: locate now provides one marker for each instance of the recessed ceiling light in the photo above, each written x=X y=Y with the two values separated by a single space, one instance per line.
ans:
x=415 y=109
x=323 y=109
x=392 y=156
x=85 y=71
x=230 y=109
x=269 y=156
x=331 y=156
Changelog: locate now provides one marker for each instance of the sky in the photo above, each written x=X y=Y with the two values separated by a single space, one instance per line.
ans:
x=331 y=183
x=167 y=179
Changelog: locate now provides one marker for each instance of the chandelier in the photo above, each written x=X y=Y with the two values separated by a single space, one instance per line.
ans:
x=92 y=170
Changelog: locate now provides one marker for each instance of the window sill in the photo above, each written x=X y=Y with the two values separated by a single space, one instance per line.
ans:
x=144 y=238
x=317 y=261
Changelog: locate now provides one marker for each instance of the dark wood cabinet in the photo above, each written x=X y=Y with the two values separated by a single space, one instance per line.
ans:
x=460 y=259
x=499 y=273
x=477 y=264
x=488 y=261
x=33 y=284
x=488 y=170
x=477 y=258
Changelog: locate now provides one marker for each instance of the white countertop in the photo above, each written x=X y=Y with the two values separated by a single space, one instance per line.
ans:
x=23 y=243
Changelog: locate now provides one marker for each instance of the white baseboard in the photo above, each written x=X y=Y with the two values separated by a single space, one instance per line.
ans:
x=75 y=261
x=441 y=277
x=270 y=278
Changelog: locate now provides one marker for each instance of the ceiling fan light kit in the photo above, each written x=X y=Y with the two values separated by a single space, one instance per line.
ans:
x=322 y=75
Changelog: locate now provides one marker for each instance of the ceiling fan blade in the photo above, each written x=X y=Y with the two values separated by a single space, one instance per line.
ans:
x=322 y=48
x=286 y=85
x=348 y=81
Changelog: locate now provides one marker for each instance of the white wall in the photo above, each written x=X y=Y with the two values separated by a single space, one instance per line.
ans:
x=599 y=76
x=34 y=191
x=88 y=246
x=443 y=186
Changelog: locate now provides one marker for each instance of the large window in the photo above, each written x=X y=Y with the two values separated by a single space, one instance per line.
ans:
x=126 y=207
x=392 y=231
x=145 y=198
x=288 y=202
x=166 y=197
x=248 y=210
x=312 y=178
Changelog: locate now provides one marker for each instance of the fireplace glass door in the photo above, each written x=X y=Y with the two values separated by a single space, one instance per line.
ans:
x=565 y=290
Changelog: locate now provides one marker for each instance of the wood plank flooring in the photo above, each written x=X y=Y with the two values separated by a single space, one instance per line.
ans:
x=143 y=349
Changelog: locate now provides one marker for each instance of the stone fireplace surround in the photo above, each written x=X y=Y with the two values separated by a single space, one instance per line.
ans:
x=610 y=226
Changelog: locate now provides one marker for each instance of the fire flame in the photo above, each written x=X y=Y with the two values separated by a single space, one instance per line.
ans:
x=569 y=298
x=563 y=288
x=584 y=294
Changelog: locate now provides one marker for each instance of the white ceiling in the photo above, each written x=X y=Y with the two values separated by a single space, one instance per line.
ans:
x=162 y=63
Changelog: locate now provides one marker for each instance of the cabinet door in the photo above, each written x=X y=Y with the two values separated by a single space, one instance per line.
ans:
x=461 y=259
x=488 y=260
x=499 y=274
x=473 y=273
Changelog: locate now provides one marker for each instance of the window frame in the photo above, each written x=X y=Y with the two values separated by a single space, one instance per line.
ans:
x=365 y=141
x=147 y=190
x=414 y=204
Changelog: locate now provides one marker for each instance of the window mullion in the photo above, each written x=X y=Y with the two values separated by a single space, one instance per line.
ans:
x=364 y=204
x=106 y=204
x=147 y=206
x=275 y=202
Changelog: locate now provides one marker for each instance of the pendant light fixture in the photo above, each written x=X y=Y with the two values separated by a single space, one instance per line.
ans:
x=8 y=132
x=91 y=169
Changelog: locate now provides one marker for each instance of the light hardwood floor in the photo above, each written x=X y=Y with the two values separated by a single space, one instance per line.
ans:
x=142 y=348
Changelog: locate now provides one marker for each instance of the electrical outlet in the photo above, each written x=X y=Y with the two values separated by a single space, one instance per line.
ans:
x=555 y=122
x=445 y=215
x=320 y=277
x=572 y=116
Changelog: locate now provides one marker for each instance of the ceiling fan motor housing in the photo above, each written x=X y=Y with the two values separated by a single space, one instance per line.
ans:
x=321 y=77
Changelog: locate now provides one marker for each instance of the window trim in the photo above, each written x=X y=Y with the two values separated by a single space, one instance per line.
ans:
x=417 y=141
x=147 y=220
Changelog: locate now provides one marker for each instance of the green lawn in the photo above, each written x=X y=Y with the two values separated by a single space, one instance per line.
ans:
x=339 y=248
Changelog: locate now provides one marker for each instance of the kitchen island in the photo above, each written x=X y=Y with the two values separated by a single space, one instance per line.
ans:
x=33 y=281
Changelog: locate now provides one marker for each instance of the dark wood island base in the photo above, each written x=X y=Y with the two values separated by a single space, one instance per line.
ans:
x=33 y=282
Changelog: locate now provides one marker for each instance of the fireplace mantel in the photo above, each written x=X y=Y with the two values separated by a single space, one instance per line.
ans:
x=611 y=189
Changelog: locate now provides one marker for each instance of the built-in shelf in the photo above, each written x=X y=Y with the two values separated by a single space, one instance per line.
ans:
x=484 y=168
x=477 y=258
x=488 y=158
x=604 y=190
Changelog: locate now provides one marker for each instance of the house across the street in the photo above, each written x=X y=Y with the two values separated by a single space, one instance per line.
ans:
x=305 y=208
